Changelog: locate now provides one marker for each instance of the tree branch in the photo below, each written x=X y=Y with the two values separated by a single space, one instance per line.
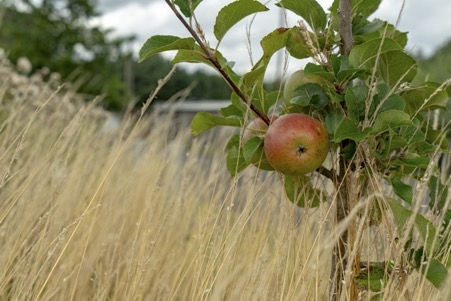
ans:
x=345 y=14
x=212 y=58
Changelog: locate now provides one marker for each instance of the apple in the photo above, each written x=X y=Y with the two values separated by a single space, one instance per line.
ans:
x=296 y=144
x=257 y=128
x=295 y=80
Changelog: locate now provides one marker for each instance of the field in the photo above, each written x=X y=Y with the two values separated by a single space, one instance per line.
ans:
x=143 y=212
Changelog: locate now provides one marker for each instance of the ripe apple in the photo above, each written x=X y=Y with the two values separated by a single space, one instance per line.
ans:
x=257 y=128
x=296 y=144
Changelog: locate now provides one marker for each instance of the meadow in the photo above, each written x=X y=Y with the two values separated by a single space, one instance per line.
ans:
x=143 y=212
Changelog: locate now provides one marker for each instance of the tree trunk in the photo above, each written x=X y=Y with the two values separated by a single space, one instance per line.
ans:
x=340 y=252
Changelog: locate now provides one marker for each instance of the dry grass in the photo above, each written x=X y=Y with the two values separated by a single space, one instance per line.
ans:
x=87 y=213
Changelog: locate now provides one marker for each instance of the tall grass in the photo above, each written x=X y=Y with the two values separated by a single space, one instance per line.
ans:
x=145 y=213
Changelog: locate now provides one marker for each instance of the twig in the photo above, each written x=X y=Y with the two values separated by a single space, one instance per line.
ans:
x=212 y=58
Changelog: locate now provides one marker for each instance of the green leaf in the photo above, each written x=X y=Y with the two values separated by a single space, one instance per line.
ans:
x=349 y=150
x=274 y=41
x=402 y=190
x=385 y=31
x=185 y=8
x=413 y=161
x=270 y=44
x=270 y=100
x=426 y=229
x=372 y=278
x=428 y=232
x=355 y=99
x=296 y=45
x=309 y=10
x=204 y=121
x=299 y=191
x=400 y=214
x=348 y=129
x=359 y=7
x=251 y=147
x=393 y=102
x=235 y=161
x=160 y=43
x=310 y=94
x=438 y=193
x=347 y=75
x=396 y=66
x=232 y=111
x=364 y=55
x=428 y=96
x=231 y=14
x=390 y=119
x=319 y=71
x=190 y=56
x=332 y=120
x=435 y=272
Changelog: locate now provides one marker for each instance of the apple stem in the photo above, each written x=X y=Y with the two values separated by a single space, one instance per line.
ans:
x=213 y=59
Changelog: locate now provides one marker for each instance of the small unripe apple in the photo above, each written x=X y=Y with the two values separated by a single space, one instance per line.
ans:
x=296 y=144
x=257 y=128
x=295 y=80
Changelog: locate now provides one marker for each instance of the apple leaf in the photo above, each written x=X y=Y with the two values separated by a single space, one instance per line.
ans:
x=187 y=6
x=364 y=55
x=363 y=8
x=204 y=121
x=310 y=94
x=438 y=193
x=428 y=96
x=160 y=43
x=402 y=190
x=190 y=56
x=270 y=44
x=413 y=161
x=426 y=229
x=235 y=161
x=387 y=30
x=300 y=192
x=332 y=120
x=355 y=99
x=296 y=45
x=390 y=119
x=396 y=66
x=231 y=14
x=251 y=147
x=434 y=271
x=348 y=129
x=309 y=10
x=393 y=102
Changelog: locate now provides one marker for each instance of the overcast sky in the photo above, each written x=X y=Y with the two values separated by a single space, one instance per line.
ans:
x=427 y=21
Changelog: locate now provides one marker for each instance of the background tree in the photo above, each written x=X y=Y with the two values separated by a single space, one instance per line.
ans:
x=204 y=85
x=55 y=34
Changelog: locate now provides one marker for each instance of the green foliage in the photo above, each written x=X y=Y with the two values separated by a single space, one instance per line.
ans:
x=54 y=34
x=231 y=14
x=373 y=105
x=309 y=10
x=301 y=193
x=158 y=44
